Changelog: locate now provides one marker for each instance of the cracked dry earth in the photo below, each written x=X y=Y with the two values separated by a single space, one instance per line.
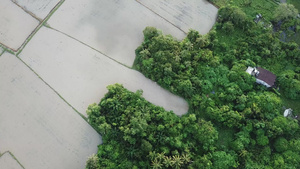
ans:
x=58 y=56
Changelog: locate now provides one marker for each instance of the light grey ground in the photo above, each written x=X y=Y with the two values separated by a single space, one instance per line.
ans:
x=111 y=26
x=15 y=24
x=37 y=125
x=191 y=14
x=8 y=162
x=38 y=8
x=80 y=74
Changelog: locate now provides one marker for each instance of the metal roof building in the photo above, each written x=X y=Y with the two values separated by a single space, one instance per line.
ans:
x=262 y=76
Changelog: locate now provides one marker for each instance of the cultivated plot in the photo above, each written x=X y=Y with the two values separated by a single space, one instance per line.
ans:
x=193 y=14
x=113 y=27
x=8 y=162
x=38 y=8
x=37 y=125
x=16 y=25
x=80 y=74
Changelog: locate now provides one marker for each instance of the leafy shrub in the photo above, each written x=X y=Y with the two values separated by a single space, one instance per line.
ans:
x=289 y=83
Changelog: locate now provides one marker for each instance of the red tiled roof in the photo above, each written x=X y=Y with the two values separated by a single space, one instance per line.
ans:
x=266 y=76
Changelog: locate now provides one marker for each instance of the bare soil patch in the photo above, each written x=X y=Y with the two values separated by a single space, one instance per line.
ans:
x=112 y=27
x=80 y=74
x=16 y=25
x=37 y=125
x=39 y=8
x=193 y=14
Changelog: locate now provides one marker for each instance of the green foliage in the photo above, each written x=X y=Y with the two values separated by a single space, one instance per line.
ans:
x=232 y=14
x=281 y=144
x=202 y=162
x=289 y=82
x=296 y=3
x=223 y=160
x=92 y=162
x=212 y=78
x=133 y=130
x=251 y=7
x=285 y=126
x=203 y=132
x=228 y=27
x=150 y=32
x=232 y=121
x=261 y=138
x=285 y=11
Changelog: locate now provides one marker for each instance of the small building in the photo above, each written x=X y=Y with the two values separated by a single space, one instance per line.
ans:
x=263 y=76
x=258 y=17
x=288 y=112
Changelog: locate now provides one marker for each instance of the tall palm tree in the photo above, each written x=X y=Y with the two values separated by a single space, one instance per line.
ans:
x=160 y=156
x=167 y=161
x=176 y=161
x=156 y=164
x=186 y=158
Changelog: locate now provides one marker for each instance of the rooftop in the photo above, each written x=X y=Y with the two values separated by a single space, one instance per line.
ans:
x=266 y=76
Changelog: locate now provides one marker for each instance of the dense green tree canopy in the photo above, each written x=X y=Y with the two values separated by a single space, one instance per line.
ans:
x=232 y=121
x=285 y=11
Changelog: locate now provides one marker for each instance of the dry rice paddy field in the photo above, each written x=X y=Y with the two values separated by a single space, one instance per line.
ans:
x=57 y=57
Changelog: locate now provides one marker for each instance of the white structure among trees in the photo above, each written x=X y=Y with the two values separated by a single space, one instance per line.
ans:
x=262 y=76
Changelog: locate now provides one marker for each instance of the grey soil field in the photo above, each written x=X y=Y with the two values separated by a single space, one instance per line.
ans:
x=37 y=125
x=16 y=25
x=81 y=74
x=39 y=8
x=8 y=162
x=191 y=14
x=112 y=27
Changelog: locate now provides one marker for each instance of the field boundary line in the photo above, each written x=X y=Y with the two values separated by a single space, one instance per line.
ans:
x=52 y=88
x=161 y=17
x=57 y=93
x=13 y=156
x=91 y=47
x=42 y=23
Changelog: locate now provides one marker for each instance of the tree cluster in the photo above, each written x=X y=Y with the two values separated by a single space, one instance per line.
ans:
x=232 y=121
x=138 y=134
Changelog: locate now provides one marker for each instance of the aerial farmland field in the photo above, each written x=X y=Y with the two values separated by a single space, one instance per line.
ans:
x=58 y=56
x=36 y=125
x=80 y=74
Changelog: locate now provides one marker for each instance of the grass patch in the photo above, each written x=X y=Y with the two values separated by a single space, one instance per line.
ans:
x=230 y=39
x=294 y=104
